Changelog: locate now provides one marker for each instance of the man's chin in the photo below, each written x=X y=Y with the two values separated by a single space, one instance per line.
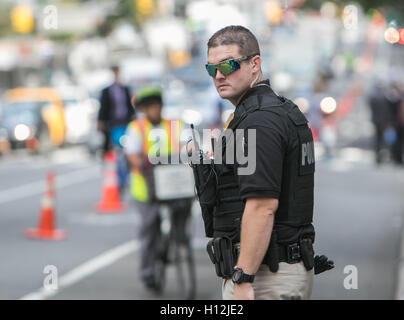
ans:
x=224 y=94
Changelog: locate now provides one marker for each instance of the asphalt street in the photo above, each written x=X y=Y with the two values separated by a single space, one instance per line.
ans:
x=358 y=218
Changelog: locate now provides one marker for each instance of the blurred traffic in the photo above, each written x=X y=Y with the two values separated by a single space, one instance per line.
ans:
x=325 y=57
x=341 y=63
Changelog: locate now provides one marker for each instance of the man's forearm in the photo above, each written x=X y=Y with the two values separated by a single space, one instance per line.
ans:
x=256 y=228
x=135 y=161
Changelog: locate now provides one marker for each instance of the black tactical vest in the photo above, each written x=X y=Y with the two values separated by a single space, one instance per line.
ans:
x=295 y=208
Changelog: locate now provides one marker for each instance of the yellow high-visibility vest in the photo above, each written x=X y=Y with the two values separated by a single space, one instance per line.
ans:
x=170 y=142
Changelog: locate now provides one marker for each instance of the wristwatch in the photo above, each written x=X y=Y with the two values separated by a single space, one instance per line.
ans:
x=239 y=276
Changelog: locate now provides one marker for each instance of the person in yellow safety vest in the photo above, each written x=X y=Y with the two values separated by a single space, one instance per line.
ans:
x=149 y=138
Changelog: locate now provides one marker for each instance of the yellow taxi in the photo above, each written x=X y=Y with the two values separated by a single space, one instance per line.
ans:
x=33 y=118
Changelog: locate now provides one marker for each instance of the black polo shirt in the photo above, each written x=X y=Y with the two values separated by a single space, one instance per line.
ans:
x=271 y=145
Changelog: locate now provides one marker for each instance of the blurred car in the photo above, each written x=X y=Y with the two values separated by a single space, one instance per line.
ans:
x=4 y=143
x=80 y=113
x=33 y=118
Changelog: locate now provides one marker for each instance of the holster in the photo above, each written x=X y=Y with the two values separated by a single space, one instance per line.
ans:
x=307 y=253
x=223 y=255
x=205 y=183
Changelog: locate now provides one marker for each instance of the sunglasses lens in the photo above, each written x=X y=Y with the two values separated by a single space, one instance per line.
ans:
x=226 y=67
x=211 y=70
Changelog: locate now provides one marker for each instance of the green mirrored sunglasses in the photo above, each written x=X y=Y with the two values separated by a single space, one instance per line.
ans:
x=228 y=66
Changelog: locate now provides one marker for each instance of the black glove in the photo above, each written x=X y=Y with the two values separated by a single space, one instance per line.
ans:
x=321 y=264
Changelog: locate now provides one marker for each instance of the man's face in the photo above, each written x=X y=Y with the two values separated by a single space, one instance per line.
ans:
x=233 y=85
x=116 y=74
x=153 y=112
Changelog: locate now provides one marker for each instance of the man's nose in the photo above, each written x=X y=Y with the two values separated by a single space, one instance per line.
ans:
x=219 y=75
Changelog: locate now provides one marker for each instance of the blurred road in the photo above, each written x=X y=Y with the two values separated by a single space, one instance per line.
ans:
x=78 y=188
x=358 y=216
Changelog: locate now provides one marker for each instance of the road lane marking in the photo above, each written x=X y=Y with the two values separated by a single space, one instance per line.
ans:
x=38 y=187
x=92 y=266
x=90 y=219
x=399 y=294
x=86 y=269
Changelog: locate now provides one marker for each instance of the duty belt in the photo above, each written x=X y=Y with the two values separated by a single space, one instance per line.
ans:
x=287 y=253
x=290 y=253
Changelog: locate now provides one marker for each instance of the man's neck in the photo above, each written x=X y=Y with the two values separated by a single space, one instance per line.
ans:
x=157 y=123
x=236 y=101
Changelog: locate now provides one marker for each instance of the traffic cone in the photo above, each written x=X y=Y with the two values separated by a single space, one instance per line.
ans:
x=110 y=190
x=46 y=224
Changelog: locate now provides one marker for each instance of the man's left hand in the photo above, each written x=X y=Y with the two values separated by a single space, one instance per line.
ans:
x=243 y=291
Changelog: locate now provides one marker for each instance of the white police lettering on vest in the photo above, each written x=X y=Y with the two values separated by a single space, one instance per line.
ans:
x=307 y=153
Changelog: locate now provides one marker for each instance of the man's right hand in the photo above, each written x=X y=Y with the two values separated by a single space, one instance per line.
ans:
x=190 y=147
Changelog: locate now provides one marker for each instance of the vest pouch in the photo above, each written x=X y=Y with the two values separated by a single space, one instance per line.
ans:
x=221 y=253
x=205 y=183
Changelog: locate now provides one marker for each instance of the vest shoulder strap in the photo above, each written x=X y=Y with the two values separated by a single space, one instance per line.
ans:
x=257 y=102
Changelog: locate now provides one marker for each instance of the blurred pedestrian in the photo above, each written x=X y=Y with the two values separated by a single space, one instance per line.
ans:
x=115 y=109
x=395 y=101
x=381 y=118
x=143 y=136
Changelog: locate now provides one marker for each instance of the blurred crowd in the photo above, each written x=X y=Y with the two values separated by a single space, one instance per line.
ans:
x=56 y=59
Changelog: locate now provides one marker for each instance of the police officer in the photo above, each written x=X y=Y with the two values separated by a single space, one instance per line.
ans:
x=266 y=214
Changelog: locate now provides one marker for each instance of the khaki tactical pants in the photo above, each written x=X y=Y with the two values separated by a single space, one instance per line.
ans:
x=291 y=281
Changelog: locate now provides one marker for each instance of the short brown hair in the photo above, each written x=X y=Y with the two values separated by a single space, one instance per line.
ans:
x=238 y=35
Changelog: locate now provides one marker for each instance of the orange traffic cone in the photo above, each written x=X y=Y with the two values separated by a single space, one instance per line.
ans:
x=45 y=230
x=110 y=191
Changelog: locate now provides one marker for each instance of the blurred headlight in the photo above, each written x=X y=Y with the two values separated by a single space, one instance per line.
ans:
x=192 y=116
x=22 y=132
x=328 y=105
x=391 y=35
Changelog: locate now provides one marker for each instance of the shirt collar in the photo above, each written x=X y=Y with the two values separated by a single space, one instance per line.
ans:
x=259 y=88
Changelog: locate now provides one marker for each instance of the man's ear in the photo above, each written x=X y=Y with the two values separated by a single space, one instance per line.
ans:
x=256 y=61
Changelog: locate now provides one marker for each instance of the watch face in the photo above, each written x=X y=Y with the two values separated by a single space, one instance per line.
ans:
x=237 y=275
